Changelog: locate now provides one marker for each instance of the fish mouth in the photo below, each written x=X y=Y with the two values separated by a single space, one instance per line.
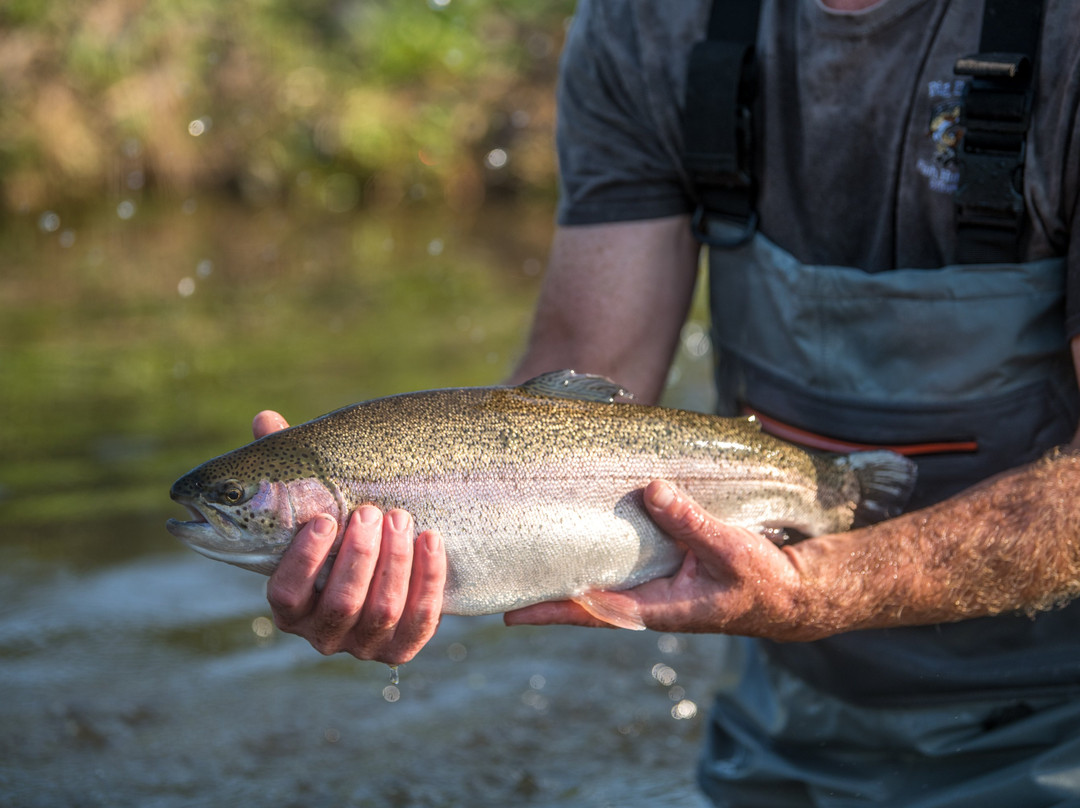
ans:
x=205 y=538
x=197 y=533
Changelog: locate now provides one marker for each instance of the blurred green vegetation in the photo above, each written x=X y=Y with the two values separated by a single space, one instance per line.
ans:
x=342 y=103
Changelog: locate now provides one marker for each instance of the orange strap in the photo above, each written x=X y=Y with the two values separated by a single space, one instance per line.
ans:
x=815 y=441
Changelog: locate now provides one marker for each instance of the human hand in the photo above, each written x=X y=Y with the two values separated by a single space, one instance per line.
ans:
x=732 y=581
x=383 y=597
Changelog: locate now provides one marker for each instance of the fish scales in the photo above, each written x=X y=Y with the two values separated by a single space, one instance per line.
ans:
x=536 y=489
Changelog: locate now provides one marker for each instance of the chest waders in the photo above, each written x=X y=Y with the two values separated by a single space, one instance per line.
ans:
x=962 y=367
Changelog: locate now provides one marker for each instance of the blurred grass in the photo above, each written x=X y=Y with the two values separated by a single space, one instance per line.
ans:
x=368 y=102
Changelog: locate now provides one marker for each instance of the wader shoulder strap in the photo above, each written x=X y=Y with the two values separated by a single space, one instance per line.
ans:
x=717 y=128
x=996 y=115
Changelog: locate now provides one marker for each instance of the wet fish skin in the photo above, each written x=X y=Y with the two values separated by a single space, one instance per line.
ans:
x=536 y=489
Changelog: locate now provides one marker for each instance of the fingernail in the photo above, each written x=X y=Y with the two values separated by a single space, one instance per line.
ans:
x=323 y=527
x=434 y=541
x=662 y=496
x=399 y=520
x=369 y=514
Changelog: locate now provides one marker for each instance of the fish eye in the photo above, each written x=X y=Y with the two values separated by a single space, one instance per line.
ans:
x=232 y=492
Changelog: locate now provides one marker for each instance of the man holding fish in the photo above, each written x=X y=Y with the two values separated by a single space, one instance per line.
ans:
x=889 y=208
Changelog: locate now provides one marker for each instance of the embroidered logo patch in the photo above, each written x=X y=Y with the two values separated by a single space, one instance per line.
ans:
x=944 y=135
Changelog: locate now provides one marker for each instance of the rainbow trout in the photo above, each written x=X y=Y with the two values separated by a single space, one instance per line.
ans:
x=536 y=489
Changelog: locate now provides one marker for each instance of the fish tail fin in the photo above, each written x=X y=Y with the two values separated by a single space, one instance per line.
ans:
x=611 y=607
x=886 y=481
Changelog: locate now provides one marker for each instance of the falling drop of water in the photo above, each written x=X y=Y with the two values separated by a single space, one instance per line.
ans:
x=394 y=678
x=48 y=222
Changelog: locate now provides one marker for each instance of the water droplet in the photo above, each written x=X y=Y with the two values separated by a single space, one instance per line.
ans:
x=67 y=238
x=435 y=246
x=391 y=693
x=262 y=627
x=496 y=159
x=684 y=710
x=457 y=652
x=204 y=268
x=438 y=5
x=668 y=644
x=696 y=340
x=394 y=678
x=186 y=287
x=48 y=222
x=331 y=735
x=199 y=126
x=664 y=674
x=537 y=681
x=126 y=209
x=535 y=700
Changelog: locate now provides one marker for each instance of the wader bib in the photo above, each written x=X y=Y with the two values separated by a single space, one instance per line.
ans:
x=967 y=355
x=965 y=368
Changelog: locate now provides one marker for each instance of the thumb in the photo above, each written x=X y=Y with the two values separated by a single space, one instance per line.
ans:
x=707 y=537
x=676 y=513
x=266 y=422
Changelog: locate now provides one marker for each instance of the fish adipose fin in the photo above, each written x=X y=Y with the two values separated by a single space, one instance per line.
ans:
x=577 y=386
x=886 y=481
x=611 y=607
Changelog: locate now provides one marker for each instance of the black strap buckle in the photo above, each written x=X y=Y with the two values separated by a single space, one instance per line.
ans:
x=718 y=131
x=995 y=116
x=699 y=226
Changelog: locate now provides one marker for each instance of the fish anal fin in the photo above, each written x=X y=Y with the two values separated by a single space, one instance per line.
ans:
x=611 y=607
x=578 y=386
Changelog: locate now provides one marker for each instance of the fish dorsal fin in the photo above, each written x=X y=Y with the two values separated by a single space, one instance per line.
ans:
x=577 y=386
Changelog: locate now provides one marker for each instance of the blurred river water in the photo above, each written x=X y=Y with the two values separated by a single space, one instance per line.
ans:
x=136 y=343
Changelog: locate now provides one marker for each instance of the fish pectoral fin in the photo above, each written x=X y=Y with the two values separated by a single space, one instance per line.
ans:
x=611 y=607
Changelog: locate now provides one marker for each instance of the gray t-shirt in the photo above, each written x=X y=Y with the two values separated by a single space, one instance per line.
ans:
x=857 y=120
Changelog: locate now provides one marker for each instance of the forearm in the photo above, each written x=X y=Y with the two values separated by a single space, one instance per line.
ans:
x=1011 y=544
x=613 y=303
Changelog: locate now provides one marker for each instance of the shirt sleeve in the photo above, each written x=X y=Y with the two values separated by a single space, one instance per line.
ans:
x=618 y=133
x=1058 y=197
x=1072 y=286
x=1072 y=252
